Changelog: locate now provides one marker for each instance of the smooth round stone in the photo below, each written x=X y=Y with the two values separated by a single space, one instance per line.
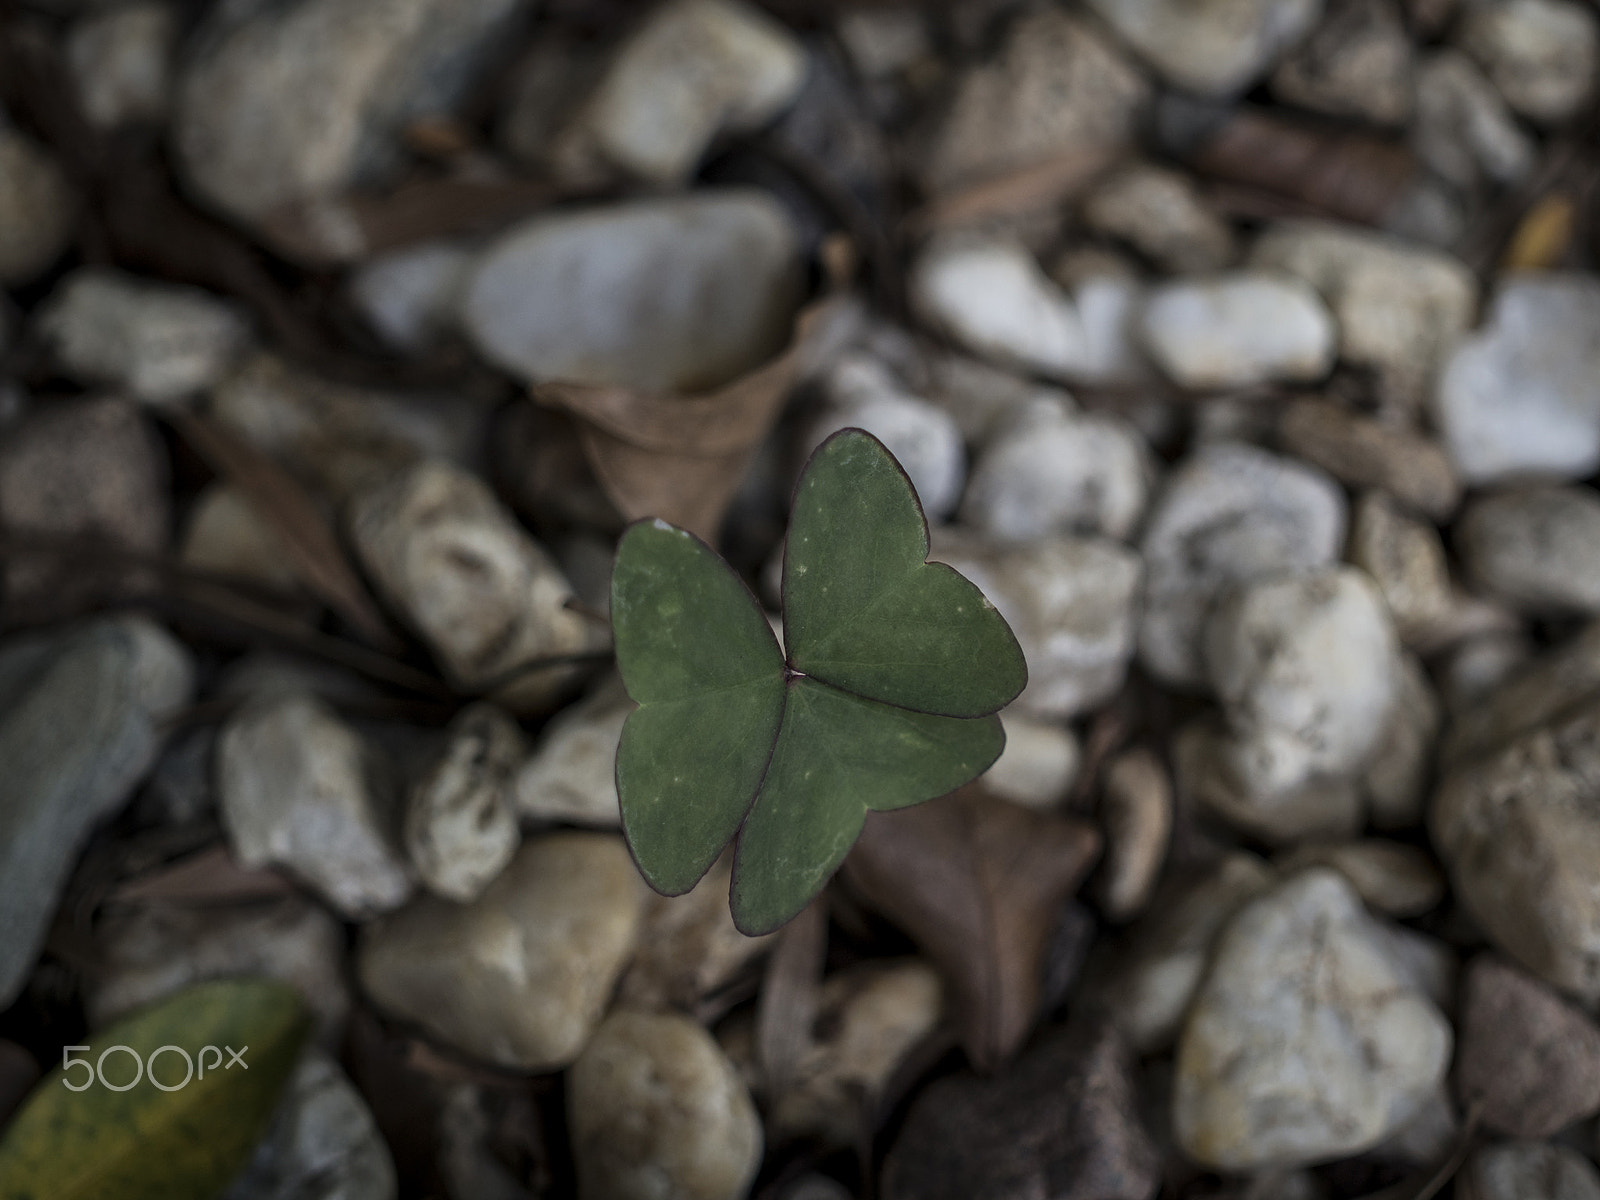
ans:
x=1238 y=330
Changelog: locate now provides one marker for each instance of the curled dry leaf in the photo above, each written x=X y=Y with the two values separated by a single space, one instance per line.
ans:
x=979 y=884
x=682 y=458
x=210 y=876
x=790 y=993
x=1040 y=185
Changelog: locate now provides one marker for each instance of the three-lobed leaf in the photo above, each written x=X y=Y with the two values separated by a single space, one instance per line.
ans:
x=894 y=669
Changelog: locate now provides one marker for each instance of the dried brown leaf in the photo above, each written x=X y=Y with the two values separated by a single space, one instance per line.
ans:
x=211 y=876
x=790 y=992
x=1037 y=186
x=1543 y=236
x=978 y=883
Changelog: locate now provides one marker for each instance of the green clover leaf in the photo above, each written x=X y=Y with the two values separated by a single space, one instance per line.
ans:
x=895 y=669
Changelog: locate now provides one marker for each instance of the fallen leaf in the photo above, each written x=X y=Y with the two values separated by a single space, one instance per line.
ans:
x=1040 y=185
x=176 y=1141
x=313 y=549
x=978 y=883
x=1543 y=236
x=682 y=458
x=790 y=992
x=208 y=877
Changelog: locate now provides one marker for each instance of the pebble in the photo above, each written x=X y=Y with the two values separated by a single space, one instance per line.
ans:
x=1364 y=452
x=1397 y=774
x=1306 y=1041
x=693 y=70
x=862 y=393
x=1522 y=395
x=1521 y=841
x=1217 y=49
x=1399 y=307
x=1527 y=1058
x=1056 y=87
x=80 y=717
x=521 y=976
x=37 y=210
x=571 y=775
x=1536 y=548
x=710 y=283
x=299 y=788
x=1136 y=813
x=460 y=830
x=225 y=535
x=1356 y=63
x=1463 y=131
x=287 y=104
x=1038 y=765
x=1543 y=55
x=1206 y=759
x=979 y=396
x=1051 y=469
x=158 y=342
x=1062 y=1121
x=1238 y=330
x=1391 y=878
x=1527 y=1171
x=151 y=950
x=657 y=1111
x=1072 y=604
x=1405 y=557
x=122 y=61
x=323 y=1143
x=1529 y=694
x=409 y=297
x=1228 y=514
x=1160 y=213
x=482 y=593
x=1477 y=665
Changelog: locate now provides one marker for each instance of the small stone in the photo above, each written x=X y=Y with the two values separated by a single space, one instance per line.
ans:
x=92 y=469
x=1072 y=603
x=1529 y=695
x=226 y=536
x=883 y=42
x=179 y=790
x=869 y=1017
x=1160 y=213
x=1056 y=87
x=656 y=1110
x=1543 y=55
x=1406 y=559
x=323 y=1143
x=572 y=776
x=1136 y=811
x=926 y=441
x=1400 y=307
x=1397 y=774
x=37 y=210
x=1519 y=832
x=1228 y=514
x=80 y=715
x=1527 y=1171
x=158 y=342
x=409 y=297
x=1109 y=296
x=485 y=596
x=298 y=788
x=297 y=102
x=121 y=63
x=1217 y=49
x=711 y=280
x=521 y=976
x=1238 y=330
x=1526 y=1056
x=1038 y=765
x=460 y=830
x=1537 y=548
x=1356 y=63
x=1366 y=453
x=1463 y=130
x=1050 y=470
x=1522 y=395
x=148 y=951
x=1152 y=981
x=693 y=70
x=1391 y=878
x=1206 y=759
x=1306 y=1041
x=1062 y=1121
x=1479 y=664
x=979 y=396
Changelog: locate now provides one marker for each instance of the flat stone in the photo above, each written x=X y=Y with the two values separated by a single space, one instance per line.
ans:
x=571 y=775
x=1527 y=1171
x=1228 y=514
x=1160 y=213
x=1206 y=760
x=1536 y=548
x=1050 y=470
x=1391 y=878
x=521 y=976
x=410 y=297
x=299 y=788
x=1136 y=811
x=1215 y=49
x=155 y=341
x=676 y=295
x=460 y=830
x=1038 y=765
x=1363 y=452
x=484 y=595
x=1238 y=330
x=81 y=727
x=1357 y=62
x=1072 y=603
x=122 y=63
x=657 y=1110
x=37 y=209
x=1306 y=1041
x=1463 y=130
x=1406 y=559
x=1528 y=695
x=1543 y=55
